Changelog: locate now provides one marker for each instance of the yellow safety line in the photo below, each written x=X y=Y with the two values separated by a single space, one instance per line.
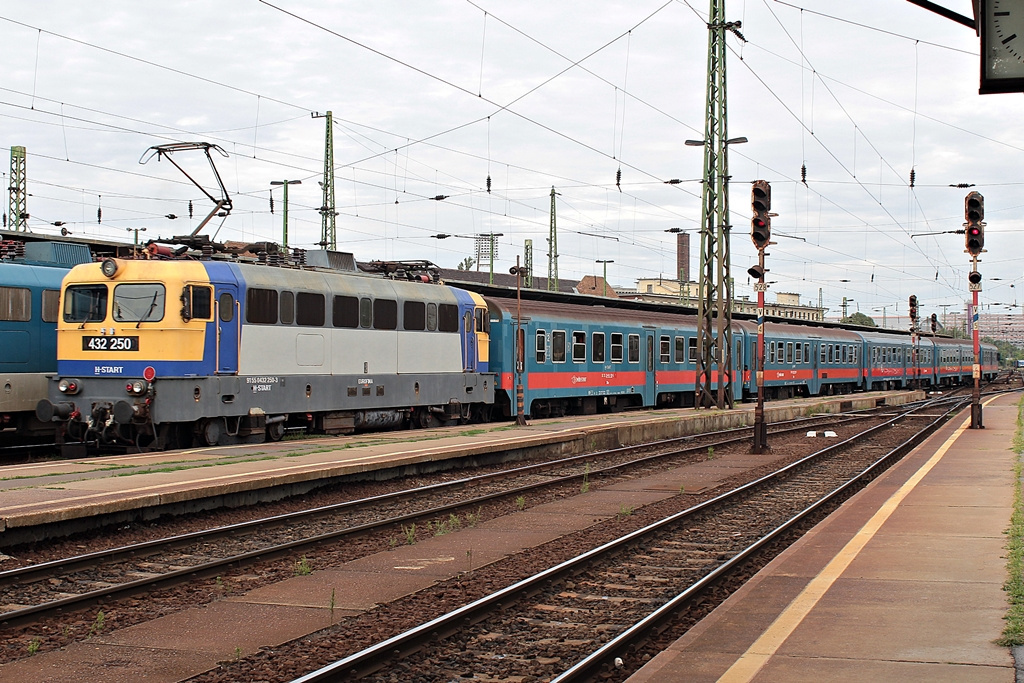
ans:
x=757 y=655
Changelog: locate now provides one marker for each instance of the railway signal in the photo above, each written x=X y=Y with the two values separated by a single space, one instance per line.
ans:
x=913 y=308
x=935 y=323
x=761 y=223
x=974 y=213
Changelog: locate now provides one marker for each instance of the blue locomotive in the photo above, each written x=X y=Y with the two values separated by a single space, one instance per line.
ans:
x=30 y=279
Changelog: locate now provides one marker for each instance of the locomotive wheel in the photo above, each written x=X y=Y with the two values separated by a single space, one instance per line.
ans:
x=275 y=432
x=210 y=431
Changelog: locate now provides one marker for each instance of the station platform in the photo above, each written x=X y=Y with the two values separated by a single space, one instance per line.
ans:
x=65 y=496
x=902 y=583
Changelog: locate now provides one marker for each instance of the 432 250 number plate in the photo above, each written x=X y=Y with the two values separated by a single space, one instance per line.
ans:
x=110 y=343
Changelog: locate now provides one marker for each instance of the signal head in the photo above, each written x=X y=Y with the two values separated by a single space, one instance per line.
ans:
x=974 y=278
x=761 y=196
x=974 y=207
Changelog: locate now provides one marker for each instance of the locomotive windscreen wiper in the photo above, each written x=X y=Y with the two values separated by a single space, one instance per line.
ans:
x=152 y=306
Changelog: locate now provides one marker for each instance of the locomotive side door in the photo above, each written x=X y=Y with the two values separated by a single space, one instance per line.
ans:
x=470 y=345
x=228 y=322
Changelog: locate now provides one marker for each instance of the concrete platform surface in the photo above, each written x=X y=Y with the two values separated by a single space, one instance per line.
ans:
x=903 y=583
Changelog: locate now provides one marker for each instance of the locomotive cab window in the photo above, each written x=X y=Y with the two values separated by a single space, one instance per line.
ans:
x=137 y=303
x=365 y=313
x=196 y=302
x=483 y=322
x=16 y=304
x=85 y=303
x=431 y=317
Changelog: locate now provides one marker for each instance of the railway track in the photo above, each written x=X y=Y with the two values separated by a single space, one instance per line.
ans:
x=52 y=588
x=588 y=618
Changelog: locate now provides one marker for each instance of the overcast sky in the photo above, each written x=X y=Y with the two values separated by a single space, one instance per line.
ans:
x=432 y=98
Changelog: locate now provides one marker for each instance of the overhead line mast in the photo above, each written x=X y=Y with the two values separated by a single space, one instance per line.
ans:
x=328 y=230
x=715 y=285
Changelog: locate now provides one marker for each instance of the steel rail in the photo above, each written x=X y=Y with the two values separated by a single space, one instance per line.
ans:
x=375 y=657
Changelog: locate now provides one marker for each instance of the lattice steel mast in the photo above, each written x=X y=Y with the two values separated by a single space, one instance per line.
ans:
x=328 y=232
x=553 y=248
x=715 y=284
x=17 y=213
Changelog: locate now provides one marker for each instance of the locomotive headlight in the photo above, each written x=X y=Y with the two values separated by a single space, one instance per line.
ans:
x=137 y=387
x=69 y=386
x=109 y=267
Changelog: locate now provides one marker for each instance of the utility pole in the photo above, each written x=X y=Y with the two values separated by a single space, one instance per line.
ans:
x=604 y=278
x=17 y=214
x=285 y=184
x=328 y=232
x=715 y=284
x=553 y=248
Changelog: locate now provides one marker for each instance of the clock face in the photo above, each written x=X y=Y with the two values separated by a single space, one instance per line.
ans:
x=1002 y=44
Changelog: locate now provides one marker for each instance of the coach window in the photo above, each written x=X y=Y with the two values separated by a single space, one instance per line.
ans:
x=51 y=305
x=634 y=348
x=597 y=347
x=287 y=308
x=799 y=357
x=665 y=350
x=821 y=353
x=385 y=314
x=431 y=317
x=807 y=352
x=260 y=306
x=542 y=346
x=616 y=347
x=558 y=346
x=16 y=303
x=771 y=352
x=680 y=356
x=414 y=316
x=345 y=312
x=789 y=352
x=448 y=318
x=309 y=309
x=579 y=347
x=136 y=303
x=691 y=353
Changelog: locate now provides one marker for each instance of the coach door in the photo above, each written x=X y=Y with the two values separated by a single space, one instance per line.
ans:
x=228 y=323
x=649 y=390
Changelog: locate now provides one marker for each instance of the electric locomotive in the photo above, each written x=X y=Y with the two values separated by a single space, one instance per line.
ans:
x=30 y=279
x=158 y=354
